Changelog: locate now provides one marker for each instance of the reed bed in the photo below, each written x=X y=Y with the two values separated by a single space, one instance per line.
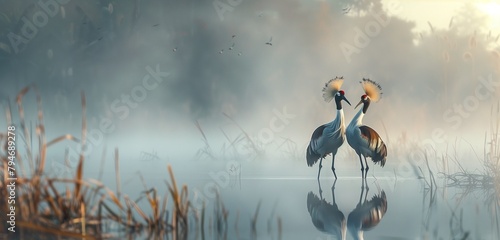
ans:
x=488 y=178
x=82 y=207
x=87 y=209
x=484 y=182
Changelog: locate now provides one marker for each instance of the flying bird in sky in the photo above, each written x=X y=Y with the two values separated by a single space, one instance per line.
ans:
x=270 y=42
x=346 y=10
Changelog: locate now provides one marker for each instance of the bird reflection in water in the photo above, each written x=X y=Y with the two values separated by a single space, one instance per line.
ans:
x=328 y=219
x=367 y=214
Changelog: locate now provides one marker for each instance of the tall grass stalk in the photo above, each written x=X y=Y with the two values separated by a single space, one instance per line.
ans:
x=73 y=207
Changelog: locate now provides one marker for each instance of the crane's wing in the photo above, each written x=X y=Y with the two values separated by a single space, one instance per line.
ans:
x=375 y=210
x=326 y=217
x=311 y=155
x=313 y=202
x=367 y=215
x=374 y=142
x=318 y=132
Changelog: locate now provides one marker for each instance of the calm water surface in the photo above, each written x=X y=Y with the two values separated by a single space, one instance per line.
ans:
x=381 y=208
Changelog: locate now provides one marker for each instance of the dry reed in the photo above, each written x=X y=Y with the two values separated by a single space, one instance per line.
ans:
x=73 y=207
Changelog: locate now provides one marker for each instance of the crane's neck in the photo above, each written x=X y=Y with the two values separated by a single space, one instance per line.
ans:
x=359 y=236
x=344 y=230
x=338 y=120
x=338 y=102
x=340 y=116
x=358 y=118
x=365 y=106
x=356 y=232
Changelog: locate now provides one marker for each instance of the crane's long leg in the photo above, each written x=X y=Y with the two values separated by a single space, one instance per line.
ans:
x=367 y=189
x=333 y=191
x=362 y=167
x=362 y=190
x=320 y=166
x=320 y=190
x=366 y=163
x=333 y=166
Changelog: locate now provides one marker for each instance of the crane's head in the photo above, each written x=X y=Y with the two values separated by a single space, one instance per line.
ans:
x=332 y=88
x=373 y=92
x=364 y=99
x=340 y=95
x=372 y=89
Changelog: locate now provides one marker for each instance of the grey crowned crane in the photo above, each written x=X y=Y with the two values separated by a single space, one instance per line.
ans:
x=363 y=139
x=367 y=214
x=328 y=137
x=326 y=217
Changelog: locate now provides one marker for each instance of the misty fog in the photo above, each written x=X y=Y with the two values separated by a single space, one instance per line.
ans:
x=442 y=78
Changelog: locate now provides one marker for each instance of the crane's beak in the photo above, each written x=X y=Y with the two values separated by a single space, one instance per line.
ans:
x=359 y=103
x=347 y=101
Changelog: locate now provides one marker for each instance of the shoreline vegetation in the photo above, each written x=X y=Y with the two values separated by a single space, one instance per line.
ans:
x=484 y=182
x=81 y=208
x=85 y=209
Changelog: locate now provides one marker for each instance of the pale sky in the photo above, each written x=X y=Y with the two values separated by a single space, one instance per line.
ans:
x=439 y=13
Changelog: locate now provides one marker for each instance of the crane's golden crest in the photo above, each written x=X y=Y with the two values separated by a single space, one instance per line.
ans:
x=372 y=89
x=331 y=88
